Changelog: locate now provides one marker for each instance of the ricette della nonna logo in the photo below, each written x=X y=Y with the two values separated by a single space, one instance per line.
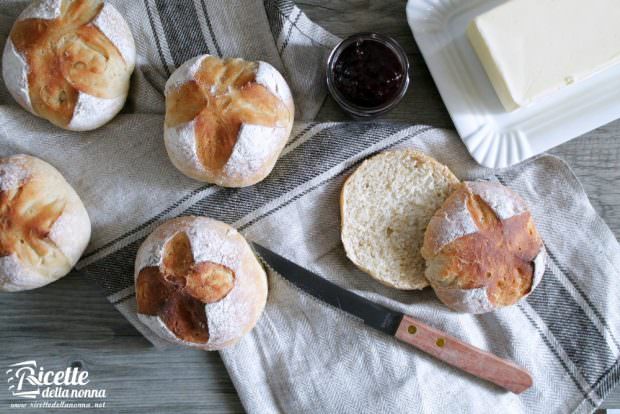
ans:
x=29 y=381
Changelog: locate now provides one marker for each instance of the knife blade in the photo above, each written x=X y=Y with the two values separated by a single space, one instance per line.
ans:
x=439 y=344
x=374 y=315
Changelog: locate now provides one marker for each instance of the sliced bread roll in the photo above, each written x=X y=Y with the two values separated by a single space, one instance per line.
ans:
x=482 y=249
x=385 y=206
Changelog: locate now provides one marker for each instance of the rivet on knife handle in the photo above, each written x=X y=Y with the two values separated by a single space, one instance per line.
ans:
x=463 y=356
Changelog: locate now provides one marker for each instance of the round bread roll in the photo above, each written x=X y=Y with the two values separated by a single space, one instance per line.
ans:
x=227 y=120
x=44 y=227
x=198 y=283
x=385 y=207
x=482 y=249
x=69 y=61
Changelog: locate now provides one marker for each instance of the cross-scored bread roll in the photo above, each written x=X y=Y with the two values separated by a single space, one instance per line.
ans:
x=227 y=120
x=198 y=283
x=69 y=61
x=44 y=227
x=482 y=249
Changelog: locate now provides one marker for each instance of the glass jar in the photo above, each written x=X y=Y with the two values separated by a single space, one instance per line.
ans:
x=367 y=74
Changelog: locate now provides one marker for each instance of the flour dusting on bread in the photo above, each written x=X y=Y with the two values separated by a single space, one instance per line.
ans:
x=254 y=149
x=91 y=110
x=15 y=73
x=42 y=9
x=184 y=73
x=13 y=174
x=113 y=25
x=504 y=202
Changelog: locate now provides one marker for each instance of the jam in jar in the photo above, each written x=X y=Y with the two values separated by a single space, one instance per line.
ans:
x=367 y=74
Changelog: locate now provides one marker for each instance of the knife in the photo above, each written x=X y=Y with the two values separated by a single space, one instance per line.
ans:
x=407 y=329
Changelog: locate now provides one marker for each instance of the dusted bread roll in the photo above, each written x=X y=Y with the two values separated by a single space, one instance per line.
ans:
x=198 y=283
x=69 y=61
x=227 y=120
x=44 y=227
x=482 y=249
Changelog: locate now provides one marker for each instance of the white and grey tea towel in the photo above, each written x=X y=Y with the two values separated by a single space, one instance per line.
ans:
x=304 y=356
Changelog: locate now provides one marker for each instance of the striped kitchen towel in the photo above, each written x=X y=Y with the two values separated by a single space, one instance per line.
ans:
x=304 y=356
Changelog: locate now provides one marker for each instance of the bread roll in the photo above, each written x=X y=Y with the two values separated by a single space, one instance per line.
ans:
x=44 y=227
x=227 y=120
x=385 y=207
x=198 y=283
x=69 y=61
x=482 y=249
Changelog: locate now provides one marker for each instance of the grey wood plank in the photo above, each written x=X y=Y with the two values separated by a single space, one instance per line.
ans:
x=71 y=322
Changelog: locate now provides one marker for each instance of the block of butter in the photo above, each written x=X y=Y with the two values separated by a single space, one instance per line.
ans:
x=532 y=48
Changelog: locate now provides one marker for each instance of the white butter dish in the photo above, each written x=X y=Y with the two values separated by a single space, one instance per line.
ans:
x=494 y=137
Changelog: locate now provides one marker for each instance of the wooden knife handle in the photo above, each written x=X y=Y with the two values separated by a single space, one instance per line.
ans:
x=463 y=356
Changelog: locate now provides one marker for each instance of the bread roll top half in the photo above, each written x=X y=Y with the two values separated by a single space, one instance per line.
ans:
x=482 y=248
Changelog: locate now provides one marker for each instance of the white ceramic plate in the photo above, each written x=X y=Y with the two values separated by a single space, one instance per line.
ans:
x=494 y=137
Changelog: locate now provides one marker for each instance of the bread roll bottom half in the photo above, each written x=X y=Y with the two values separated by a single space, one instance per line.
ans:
x=385 y=207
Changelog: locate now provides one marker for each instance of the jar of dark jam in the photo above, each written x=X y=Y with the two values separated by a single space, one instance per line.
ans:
x=367 y=74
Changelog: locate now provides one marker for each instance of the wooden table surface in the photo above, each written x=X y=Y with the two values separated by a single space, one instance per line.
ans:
x=71 y=323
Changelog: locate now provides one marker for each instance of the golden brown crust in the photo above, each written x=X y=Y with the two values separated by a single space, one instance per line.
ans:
x=178 y=289
x=163 y=295
x=186 y=318
x=152 y=290
x=178 y=257
x=209 y=281
x=25 y=224
x=497 y=255
x=184 y=104
x=66 y=56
